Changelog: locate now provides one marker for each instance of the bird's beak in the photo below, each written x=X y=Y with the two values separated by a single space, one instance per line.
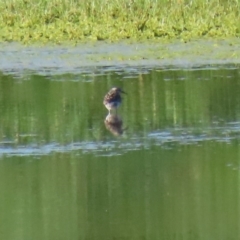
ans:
x=123 y=92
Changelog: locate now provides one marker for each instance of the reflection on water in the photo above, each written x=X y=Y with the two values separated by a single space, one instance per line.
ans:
x=174 y=173
x=114 y=123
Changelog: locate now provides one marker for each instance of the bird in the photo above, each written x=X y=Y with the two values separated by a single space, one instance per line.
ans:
x=112 y=99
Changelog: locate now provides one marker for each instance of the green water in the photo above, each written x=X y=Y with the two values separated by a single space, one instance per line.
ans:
x=171 y=172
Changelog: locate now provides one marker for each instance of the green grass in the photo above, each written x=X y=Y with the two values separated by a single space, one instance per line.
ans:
x=71 y=20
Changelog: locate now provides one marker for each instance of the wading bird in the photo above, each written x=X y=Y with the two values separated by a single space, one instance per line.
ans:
x=112 y=99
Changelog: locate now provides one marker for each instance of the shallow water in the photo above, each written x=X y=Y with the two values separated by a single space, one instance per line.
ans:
x=166 y=168
x=99 y=58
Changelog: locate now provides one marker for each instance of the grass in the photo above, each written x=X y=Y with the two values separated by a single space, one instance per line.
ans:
x=75 y=20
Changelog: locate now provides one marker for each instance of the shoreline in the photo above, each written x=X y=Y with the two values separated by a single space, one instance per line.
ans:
x=102 y=57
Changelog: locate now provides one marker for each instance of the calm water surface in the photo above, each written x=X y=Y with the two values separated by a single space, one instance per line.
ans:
x=167 y=167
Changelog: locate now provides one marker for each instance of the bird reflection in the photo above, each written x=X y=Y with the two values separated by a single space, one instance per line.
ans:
x=114 y=124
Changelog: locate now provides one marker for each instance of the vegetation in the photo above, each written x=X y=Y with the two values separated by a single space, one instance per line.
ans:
x=75 y=20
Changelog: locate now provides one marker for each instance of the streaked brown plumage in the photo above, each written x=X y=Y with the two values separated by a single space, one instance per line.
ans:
x=112 y=99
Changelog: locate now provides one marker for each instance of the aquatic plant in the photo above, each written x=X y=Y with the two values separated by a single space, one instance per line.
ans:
x=61 y=20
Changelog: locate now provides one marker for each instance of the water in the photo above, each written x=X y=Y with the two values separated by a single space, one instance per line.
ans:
x=168 y=168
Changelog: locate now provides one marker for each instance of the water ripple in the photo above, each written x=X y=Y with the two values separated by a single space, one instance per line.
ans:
x=166 y=139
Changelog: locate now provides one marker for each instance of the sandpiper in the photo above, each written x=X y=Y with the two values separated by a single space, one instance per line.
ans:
x=113 y=99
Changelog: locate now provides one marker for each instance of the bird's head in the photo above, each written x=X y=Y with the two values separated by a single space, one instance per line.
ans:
x=117 y=90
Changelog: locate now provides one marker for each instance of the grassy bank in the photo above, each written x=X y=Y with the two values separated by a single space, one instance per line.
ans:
x=76 y=20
